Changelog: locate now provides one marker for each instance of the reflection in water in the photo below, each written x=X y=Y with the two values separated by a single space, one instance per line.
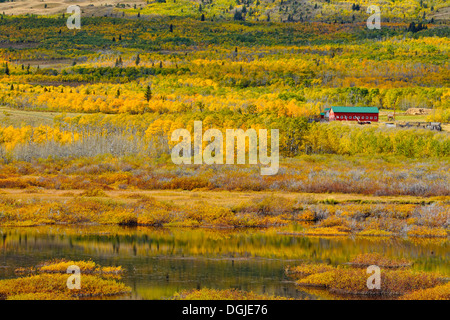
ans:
x=160 y=262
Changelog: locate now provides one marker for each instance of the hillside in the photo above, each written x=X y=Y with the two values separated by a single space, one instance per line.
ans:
x=249 y=10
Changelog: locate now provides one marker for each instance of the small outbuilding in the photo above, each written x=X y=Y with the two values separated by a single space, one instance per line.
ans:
x=325 y=114
x=359 y=114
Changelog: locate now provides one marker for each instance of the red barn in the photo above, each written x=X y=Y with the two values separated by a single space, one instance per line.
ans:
x=354 y=114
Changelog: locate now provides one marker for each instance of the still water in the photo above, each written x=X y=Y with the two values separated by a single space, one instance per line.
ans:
x=160 y=262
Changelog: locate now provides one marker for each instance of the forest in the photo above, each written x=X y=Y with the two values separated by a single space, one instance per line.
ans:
x=171 y=71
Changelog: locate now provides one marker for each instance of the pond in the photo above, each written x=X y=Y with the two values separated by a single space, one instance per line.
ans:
x=162 y=261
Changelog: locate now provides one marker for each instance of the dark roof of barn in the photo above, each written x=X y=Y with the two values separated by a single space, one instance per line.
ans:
x=355 y=109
